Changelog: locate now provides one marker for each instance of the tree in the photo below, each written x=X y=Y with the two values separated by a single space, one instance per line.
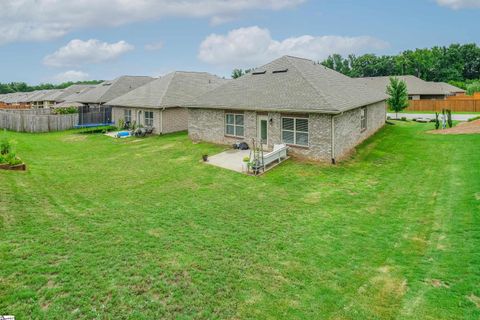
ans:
x=397 y=90
x=473 y=88
x=237 y=73
x=23 y=87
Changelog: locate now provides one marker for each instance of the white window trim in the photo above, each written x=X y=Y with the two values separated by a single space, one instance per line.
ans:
x=129 y=113
x=150 y=119
x=363 y=119
x=295 y=131
x=234 y=125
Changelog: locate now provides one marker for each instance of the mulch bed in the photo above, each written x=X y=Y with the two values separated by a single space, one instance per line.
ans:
x=18 y=167
x=463 y=128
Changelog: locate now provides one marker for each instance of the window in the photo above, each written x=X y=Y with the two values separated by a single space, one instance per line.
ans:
x=149 y=118
x=234 y=125
x=127 y=115
x=295 y=131
x=363 y=119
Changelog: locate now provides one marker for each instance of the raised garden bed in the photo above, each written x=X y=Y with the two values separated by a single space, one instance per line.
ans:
x=16 y=167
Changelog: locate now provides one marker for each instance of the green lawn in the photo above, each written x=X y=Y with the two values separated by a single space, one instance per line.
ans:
x=100 y=228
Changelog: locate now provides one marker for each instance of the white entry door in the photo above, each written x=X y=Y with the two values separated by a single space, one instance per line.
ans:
x=262 y=129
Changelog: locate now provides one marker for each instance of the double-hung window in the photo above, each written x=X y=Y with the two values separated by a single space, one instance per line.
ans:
x=363 y=119
x=149 y=118
x=234 y=124
x=295 y=131
x=127 y=115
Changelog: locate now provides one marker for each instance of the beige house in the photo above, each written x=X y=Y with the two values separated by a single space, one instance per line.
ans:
x=319 y=113
x=160 y=103
x=418 y=89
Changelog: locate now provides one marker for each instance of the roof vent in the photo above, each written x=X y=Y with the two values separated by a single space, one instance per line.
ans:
x=280 y=71
x=259 y=72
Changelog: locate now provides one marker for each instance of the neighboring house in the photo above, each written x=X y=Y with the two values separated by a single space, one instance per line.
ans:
x=418 y=89
x=55 y=98
x=44 y=100
x=321 y=114
x=160 y=103
x=29 y=99
x=110 y=90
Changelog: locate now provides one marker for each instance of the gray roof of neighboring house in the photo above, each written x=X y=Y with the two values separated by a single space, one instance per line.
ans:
x=44 y=95
x=31 y=96
x=59 y=95
x=415 y=86
x=450 y=88
x=7 y=96
x=173 y=90
x=291 y=84
x=110 y=90
x=74 y=96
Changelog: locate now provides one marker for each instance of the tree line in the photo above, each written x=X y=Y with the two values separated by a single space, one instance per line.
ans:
x=23 y=87
x=457 y=64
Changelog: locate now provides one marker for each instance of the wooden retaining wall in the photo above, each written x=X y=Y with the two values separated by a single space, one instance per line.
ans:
x=40 y=120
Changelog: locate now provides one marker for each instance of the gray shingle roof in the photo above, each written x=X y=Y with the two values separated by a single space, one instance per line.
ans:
x=60 y=94
x=176 y=89
x=293 y=85
x=44 y=96
x=451 y=89
x=415 y=86
x=110 y=90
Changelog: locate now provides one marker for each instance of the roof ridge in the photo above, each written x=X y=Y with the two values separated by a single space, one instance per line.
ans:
x=309 y=82
x=174 y=74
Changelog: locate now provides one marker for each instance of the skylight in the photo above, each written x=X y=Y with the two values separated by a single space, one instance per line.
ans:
x=280 y=71
x=259 y=72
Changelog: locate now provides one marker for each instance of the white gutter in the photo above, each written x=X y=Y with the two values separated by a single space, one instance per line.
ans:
x=333 y=136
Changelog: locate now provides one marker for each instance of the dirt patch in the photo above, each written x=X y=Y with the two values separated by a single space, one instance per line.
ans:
x=438 y=283
x=463 y=128
x=474 y=299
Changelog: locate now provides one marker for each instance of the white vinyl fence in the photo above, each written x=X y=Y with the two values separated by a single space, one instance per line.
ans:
x=36 y=120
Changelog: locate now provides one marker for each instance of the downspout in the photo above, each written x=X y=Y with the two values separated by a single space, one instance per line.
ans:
x=161 y=120
x=333 y=136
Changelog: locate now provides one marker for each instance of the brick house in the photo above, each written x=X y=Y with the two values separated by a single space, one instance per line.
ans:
x=319 y=113
x=160 y=103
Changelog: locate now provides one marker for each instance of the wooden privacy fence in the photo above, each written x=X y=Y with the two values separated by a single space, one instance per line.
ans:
x=12 y=106
x=456 y=105
x=40 y=120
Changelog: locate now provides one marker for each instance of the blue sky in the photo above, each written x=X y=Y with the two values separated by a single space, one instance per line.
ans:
x=54 y=40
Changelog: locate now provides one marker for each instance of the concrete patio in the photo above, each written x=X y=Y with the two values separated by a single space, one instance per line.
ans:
x=230 y=159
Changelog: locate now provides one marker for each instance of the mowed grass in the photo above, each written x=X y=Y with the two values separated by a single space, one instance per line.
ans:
x=100 y=228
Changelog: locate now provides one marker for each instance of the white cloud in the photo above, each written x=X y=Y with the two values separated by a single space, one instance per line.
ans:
x=252 y=46
x=38 y=20
x=155 y=46
x=459 y=4
x=78 y=52
x=71 y=75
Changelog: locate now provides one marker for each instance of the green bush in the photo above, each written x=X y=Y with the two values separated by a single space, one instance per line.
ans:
x=68 y=110
x=12 y=159
x=5 y=147
x=473 y=88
